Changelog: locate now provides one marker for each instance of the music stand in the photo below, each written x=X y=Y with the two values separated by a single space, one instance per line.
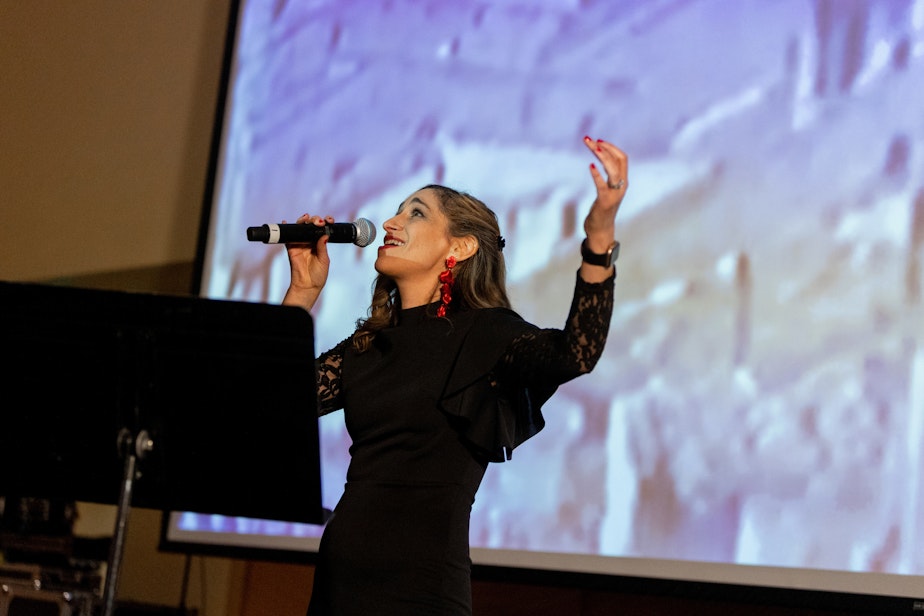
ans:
x=161 y=402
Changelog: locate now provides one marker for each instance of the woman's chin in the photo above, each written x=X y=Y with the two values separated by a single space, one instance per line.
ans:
x=385 y=265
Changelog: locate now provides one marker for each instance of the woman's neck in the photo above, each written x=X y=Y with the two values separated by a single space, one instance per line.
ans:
x=414 y=295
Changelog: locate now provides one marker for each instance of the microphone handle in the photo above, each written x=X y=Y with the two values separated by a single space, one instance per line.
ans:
x=343 y=233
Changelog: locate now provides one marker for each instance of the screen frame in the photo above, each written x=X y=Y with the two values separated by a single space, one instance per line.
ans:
x=484 y=567
x=215 y=147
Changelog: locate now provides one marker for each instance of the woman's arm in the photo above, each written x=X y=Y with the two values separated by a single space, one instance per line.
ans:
x=555 y=356
x=327 y=378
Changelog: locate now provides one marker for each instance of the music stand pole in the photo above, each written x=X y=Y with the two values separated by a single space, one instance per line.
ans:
x=131 y=450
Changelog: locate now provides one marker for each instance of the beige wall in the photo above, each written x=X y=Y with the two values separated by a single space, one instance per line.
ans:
x=106 y=115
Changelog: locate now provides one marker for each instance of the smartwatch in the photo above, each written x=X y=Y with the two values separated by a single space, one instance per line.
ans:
x=606 y=259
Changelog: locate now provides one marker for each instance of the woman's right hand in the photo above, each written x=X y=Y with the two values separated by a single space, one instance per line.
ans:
x=309 y=265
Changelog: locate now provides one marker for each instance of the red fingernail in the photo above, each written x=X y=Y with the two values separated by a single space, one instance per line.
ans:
x=586 y=138
x=593 y=166
x=599 y=149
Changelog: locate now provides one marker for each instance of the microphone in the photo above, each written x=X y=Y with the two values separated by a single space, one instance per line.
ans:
x=361 y=233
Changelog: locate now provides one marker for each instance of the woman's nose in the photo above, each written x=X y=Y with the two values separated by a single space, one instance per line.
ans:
x=391 y=224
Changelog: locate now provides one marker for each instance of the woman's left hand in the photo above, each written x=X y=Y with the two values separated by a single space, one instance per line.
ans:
x=612 y=183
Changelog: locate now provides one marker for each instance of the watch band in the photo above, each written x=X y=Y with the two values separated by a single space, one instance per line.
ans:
x=603 y=260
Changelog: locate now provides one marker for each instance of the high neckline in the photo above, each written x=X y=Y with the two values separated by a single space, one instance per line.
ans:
x=417 y=314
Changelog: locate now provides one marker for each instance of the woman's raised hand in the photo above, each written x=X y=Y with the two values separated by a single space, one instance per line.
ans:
x=600 y=223
x=611 y=185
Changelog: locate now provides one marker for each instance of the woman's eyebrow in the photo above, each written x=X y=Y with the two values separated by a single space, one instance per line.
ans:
x=413 y=200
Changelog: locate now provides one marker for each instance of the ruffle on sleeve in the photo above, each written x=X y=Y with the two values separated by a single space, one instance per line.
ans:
x=493 y=417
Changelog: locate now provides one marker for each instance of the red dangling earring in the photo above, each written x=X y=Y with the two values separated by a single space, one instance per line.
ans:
x=446 y=279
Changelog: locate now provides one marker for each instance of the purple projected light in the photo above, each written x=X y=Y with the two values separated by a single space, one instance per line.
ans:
x=761 y=398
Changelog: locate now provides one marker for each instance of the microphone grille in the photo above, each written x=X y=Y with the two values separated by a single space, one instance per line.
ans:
x=365 y=232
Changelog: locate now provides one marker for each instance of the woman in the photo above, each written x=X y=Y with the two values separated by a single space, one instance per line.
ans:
x=440 y=379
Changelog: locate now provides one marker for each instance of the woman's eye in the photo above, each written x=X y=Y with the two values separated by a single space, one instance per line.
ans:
x=416 y=212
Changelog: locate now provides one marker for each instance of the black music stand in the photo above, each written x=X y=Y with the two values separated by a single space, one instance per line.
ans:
x=160 y=402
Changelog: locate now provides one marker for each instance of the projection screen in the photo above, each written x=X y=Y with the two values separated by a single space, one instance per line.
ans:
x=758 y=414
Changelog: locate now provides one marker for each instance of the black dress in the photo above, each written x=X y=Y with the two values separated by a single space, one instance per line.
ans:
x=428 y=406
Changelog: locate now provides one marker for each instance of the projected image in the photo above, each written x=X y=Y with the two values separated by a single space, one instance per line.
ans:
x=761 y=397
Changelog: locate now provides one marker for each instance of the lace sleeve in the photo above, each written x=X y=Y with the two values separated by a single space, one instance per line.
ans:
x=559 y=355
x=327 y=374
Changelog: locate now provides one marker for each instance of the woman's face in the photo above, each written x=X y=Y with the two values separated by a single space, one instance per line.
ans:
x=417 y=241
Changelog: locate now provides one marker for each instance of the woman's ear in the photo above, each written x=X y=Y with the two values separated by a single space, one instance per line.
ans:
x=464 y=247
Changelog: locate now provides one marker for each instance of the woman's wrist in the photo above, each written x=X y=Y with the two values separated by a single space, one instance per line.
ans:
x=303 y=297
x=599 y=234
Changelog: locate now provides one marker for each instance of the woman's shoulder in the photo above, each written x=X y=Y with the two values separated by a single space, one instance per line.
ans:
x=338 y=348
x=500 y=321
